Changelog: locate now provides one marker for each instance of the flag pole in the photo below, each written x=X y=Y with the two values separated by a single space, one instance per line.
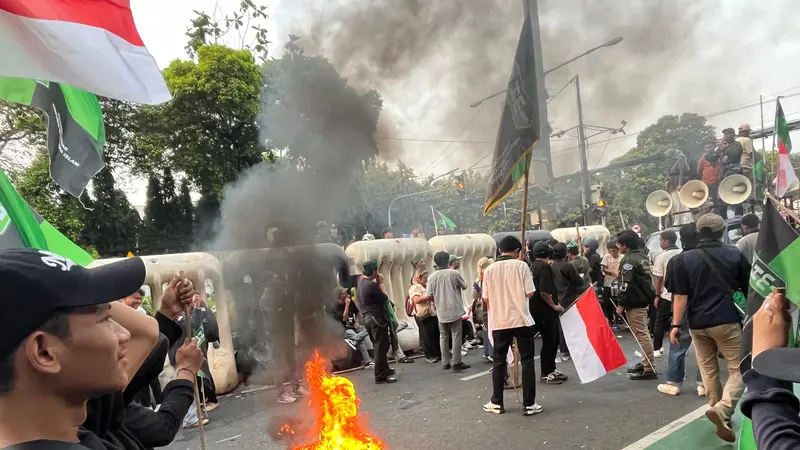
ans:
x=188 y=317
x=435 y=224
x=524 y=250
x=774 y=144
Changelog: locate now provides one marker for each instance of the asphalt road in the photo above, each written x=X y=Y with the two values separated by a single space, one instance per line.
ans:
x=433 y=409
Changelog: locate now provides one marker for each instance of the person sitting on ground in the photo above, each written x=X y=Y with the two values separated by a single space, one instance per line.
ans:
x=345 y=312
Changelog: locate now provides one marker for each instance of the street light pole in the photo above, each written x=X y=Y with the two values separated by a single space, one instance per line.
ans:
x=411 y=195
x=610 y=43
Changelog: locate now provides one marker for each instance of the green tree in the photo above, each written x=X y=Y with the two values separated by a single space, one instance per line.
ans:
x=113 y=225
x=241 y=29
x=208 y=131
x=626 y=190
x=186 y=209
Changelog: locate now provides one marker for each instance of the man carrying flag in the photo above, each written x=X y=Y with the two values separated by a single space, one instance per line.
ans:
x=507 y=286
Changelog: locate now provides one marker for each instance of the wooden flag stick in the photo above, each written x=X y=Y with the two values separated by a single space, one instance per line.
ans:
x=524 y=251
x=187 y=317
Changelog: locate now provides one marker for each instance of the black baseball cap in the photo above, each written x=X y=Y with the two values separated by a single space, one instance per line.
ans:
x=37 y=284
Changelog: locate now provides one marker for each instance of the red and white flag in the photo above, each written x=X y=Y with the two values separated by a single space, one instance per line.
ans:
x=89 y=44
x=592 y=345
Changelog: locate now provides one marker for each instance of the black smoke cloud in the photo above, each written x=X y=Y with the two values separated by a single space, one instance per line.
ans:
x=433 y=58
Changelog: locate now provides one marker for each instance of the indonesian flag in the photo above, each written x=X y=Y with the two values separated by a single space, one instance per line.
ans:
x=787 y=178
x=89 y=44
x=592 y=345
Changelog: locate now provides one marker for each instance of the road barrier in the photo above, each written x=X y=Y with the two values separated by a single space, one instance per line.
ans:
x=204 y=270
x=394 y=258
x=598 y=232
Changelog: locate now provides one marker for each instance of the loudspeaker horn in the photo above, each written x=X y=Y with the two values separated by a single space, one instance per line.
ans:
x=659 y=203
x=694 y=194
x=735 y=189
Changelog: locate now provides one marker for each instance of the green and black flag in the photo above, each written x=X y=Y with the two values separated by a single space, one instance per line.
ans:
x=519 y=124
x=75 y=131
x=777 y=250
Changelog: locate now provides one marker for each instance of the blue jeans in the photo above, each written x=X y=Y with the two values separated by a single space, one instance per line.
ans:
x=676 y=362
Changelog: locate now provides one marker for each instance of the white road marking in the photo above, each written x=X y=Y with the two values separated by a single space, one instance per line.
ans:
x=228 y=439
x=667 y=429
x=480 y=374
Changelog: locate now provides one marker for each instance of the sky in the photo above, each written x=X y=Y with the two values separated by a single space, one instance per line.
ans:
x=430 y=60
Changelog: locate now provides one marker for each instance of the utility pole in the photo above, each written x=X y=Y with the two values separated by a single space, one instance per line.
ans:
x=585 y=189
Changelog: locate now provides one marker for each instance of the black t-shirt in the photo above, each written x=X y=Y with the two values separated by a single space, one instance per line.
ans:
x=595 y=263
x=710 y=301
x=44 y=444
x=372 y=300
x=337 y=311
x=544 y=281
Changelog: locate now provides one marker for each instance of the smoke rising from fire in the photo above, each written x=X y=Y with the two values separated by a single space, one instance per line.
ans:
x=432 y=59
x=320 y=130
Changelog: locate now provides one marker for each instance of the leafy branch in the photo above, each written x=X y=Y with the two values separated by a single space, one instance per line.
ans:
x=233 y=29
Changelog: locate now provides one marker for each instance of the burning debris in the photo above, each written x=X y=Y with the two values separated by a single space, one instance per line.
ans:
x=337 y=425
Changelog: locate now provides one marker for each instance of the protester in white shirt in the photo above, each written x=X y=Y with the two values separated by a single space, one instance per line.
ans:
x=507 y=286
x=663 y=300
x=747 y=244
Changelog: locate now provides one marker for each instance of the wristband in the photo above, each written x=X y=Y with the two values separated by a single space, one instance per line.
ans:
x=675 y=326
x=186 y=369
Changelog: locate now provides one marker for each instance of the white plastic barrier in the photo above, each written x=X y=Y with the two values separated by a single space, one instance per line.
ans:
x=471 y=248
x=197 y=267
x=598 y=232
x=394 y=258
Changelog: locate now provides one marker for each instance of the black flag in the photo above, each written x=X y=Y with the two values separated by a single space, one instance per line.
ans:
x=519 y=124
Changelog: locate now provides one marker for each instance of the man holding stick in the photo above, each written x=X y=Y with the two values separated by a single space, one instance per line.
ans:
x=507 y=286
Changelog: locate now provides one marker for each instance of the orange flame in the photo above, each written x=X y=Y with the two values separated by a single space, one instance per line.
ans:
x=336 y=403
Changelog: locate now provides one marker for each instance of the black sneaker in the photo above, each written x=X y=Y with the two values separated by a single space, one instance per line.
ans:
x=550 y=379
x=390 y=379
x=446 y=366
x=460 y=366
x=638 y=368
x=405 y=360
x=560 y=375
x=644 y=375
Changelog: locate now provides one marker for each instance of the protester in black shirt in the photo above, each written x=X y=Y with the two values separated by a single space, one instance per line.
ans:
x=595 y=260
x=373 y=301
x=65 y=339
x=545 y=309
x=706 y=281
x=568 y=286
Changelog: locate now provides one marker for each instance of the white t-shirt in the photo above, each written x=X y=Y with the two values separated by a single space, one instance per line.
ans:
x=506 y=286
x=660 y=269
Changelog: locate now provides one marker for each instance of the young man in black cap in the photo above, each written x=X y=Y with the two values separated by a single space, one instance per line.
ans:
x=544 y=308
x=372 y=301
x=66 y=339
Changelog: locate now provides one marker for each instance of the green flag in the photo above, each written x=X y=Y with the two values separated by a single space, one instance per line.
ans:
x=20 y=226
x=777 y=250
x=75 y=132
x=445 y=222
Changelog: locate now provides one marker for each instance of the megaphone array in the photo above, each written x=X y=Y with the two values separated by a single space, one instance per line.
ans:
x=659 y=203
x=733 y=190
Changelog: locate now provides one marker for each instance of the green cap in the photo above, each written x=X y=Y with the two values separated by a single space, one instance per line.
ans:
x=454 y=258
x=416 y=259
x=572 y=244
x=369 y=267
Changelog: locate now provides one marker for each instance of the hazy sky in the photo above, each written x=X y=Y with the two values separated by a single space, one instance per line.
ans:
x=430 y=60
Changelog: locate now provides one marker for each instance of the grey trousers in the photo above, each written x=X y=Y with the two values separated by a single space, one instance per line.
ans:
x=454 y=330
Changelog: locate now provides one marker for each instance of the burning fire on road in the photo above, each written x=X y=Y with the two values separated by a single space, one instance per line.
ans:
x=337 y=424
